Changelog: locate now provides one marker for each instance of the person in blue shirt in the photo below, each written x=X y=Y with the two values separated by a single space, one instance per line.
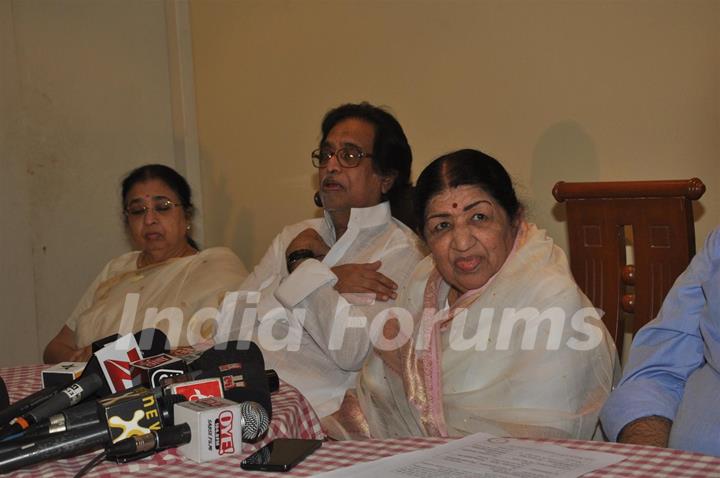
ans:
x=671 y=384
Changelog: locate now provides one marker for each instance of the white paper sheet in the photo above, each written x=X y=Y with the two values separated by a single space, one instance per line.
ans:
x=483 y=455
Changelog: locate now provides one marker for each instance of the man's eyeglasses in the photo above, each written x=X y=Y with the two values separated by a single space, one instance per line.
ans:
x=160 y=207
x=348 y=156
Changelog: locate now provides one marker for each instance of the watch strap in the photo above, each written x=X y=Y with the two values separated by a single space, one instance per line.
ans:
x=298 y=255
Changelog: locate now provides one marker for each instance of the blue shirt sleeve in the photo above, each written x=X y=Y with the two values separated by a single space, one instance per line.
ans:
x=666 y=351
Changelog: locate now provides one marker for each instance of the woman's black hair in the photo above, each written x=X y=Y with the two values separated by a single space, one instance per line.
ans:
x=172 y=179
x=460 y=168
x=391 y=151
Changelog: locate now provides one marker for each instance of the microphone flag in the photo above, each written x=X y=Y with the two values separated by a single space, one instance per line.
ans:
x=215 y=428
x=131 y=413
x=198 y=389
x=115 y=359
x=153 y=370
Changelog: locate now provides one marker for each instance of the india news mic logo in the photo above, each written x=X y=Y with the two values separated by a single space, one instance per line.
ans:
x=224 y=442
x=115 y=359
x=119 y=371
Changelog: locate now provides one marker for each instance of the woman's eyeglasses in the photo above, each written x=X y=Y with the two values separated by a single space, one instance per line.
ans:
x=160 y=207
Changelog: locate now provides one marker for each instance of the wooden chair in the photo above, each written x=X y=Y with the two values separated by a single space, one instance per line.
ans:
x=655 y=218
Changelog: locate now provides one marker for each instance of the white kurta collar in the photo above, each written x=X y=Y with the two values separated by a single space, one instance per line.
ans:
x=360 y=218
x=363 y=217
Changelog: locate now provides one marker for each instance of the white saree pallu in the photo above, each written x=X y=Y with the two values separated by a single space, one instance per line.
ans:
x=182 y=296
x=526 y=355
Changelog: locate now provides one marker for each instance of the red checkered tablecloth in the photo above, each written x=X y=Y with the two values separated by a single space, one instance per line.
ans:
x=292 y=416
x=641 y=461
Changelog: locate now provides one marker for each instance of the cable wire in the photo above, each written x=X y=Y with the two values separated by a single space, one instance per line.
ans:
x=91 y=464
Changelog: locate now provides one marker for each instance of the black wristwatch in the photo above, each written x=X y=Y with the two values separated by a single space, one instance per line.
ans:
x=299 y=255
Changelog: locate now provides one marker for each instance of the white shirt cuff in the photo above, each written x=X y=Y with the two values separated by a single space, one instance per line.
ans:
x=310 y=275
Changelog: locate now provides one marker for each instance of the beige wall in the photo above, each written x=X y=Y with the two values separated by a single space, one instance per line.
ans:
x=18 y=340
x=90 y=99
x=593 y=90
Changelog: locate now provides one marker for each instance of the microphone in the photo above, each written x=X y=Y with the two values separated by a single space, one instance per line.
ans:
x=21 y=407
x=254 y=421
x=78 y=416
x=58 y=445
x=167 y=437
x=166 y=382
x=136 y=412
x=152 y=342
x=62 y=373
x=218 y=426
x=197 y=389
x=86 y=414
x=108 y=356
x=69 y=396
x=241 y=369
x=153 y=370
x=130 y=413
x=31 y=401
x=272 y=379
x=100 y=343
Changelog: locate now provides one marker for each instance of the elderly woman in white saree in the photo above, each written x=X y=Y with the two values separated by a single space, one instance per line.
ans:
x=502 y=340
x=167 y=283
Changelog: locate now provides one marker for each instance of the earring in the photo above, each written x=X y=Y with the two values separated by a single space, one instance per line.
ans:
x=188 y=227
x=317 y=200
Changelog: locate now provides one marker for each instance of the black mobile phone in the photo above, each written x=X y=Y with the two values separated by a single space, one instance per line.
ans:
x=280 y=454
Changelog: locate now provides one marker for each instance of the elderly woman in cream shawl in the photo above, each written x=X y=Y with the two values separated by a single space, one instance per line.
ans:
x=493 y=335
x=168 y=283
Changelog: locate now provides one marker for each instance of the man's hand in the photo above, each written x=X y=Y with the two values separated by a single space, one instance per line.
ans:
x=308 y=239
x=364 y=279
x=653 y=431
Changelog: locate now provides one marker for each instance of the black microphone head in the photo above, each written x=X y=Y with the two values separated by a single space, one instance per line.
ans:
x=235 y=351
x=4 y=398
x=152 y=342
x=255 y=421
x=167 y=407
x=241 y=368
x=172 y=436
x=93 y=367
x=100 y=343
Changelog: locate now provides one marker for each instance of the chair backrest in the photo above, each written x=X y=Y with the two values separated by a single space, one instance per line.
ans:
x=655 y=218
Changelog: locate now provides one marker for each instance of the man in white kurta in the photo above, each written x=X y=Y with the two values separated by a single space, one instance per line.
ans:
x=320 y=368
x=310 y=302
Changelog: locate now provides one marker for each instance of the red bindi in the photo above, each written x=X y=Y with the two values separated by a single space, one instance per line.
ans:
x=454 y=205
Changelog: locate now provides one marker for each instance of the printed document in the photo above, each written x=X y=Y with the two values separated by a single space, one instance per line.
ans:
x=483 y=455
